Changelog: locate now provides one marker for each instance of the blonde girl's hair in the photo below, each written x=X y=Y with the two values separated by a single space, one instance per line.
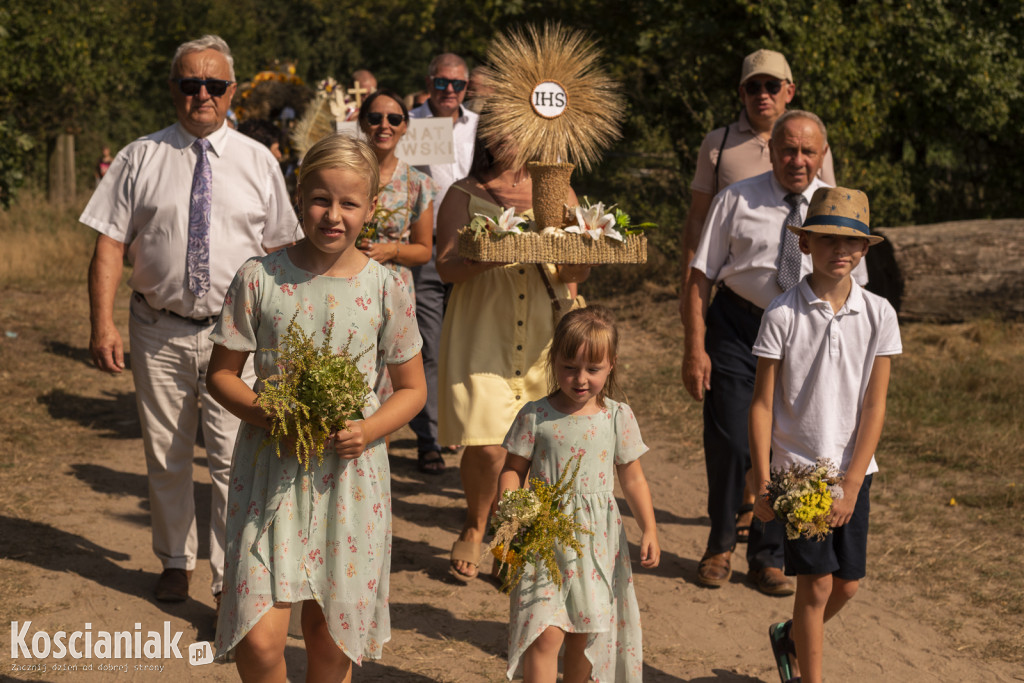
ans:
x=342 y=152
x=593 y=329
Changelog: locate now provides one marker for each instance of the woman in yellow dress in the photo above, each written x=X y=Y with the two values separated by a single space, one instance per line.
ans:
x=497 y=328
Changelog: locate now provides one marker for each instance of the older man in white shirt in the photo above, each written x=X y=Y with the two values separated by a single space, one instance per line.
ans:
x=187 y=206
x=446 y=82
x=742 y=249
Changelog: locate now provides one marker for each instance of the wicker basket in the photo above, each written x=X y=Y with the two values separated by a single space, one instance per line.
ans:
x=532 y=247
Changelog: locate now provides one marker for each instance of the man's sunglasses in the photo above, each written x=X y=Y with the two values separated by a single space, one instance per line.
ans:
x=754 y=87
x=375 y=118
x=191 y=86
x=440 y=83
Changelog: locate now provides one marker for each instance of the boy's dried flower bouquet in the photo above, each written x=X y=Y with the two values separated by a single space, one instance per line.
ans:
x=316 y=392
x=802 y=495
x=589 y=234
x=530 y=523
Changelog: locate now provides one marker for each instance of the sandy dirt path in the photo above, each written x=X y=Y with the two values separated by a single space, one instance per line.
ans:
x=75 y=550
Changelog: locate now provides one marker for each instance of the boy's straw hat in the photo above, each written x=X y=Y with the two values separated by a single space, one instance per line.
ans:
x=838 y=211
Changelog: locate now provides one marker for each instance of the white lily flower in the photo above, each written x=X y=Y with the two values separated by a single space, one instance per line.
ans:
x=508 y=221
x=594 y=222
x=607 y=226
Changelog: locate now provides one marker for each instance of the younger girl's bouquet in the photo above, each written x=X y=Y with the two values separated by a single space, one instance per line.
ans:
x=316 y=392
x=802 y=495
x=529 y=523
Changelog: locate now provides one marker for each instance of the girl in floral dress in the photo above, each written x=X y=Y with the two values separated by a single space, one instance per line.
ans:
x=320 y=536
x=594 y=613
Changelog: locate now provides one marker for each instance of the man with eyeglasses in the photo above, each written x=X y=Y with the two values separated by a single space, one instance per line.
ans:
x=740 y=150
x=733 y=153
x=446 y=82
x=745 y=251
x=186 y=206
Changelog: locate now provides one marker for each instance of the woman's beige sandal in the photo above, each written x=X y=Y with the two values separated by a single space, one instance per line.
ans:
x=468 y=552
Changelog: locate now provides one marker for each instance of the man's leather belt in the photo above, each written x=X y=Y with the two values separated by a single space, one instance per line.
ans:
x=739 y=301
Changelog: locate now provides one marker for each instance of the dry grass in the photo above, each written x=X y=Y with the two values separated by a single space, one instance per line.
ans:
x=949 y=515
x=43 y=243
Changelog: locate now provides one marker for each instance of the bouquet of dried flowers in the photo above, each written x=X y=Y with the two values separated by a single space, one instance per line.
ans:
x=802 y=495
x=315 y=394
x=530 y=523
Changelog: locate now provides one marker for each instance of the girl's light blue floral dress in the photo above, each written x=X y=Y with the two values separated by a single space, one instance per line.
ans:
x=597 y=595
x=322 y=534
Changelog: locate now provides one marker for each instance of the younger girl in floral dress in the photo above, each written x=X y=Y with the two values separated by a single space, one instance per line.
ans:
x=320 y=536
x=594 y=613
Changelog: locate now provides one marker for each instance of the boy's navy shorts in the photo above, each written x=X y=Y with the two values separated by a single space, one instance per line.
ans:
x=843 y=553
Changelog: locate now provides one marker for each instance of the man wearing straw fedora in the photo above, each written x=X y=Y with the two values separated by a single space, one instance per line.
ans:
x=743 y=251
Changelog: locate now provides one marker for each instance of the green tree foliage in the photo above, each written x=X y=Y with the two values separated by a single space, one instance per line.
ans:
x=921 y=97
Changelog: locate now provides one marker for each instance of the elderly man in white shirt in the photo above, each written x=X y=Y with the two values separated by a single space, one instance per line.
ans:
x=187 y=206
x=446 y=83
x=742 y=249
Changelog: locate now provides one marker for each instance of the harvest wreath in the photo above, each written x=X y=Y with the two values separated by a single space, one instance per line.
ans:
x=550 y=95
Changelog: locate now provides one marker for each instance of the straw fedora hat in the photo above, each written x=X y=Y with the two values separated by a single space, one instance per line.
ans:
x=838 y=211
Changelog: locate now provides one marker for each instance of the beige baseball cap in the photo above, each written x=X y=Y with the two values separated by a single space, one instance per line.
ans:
x=767 y=62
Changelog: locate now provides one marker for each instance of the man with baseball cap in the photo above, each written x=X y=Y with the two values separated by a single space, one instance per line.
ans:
x=740 y=150
x=736 y=152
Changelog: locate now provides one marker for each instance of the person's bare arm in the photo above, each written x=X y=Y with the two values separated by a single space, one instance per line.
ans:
x=696 y=362
x=513 y=473
x=638 y=497
x=415 y=253
x=451 y=217
x=105 y=269
x=760 y=433
x=410 y=394
x=225 y=383
x=421 y=240
x=700 y=205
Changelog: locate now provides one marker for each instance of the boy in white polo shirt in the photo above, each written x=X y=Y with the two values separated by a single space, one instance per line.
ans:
x=823 y=353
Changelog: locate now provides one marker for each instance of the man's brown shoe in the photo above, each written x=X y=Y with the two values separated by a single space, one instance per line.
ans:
x=772 y=581
x=172 y=586
x=714 y=570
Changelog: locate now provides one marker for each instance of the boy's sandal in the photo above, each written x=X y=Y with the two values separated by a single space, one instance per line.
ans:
x=744 y=518
x=783 y=648
x=468 y=552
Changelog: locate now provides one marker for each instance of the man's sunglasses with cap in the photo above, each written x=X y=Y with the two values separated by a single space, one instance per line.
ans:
x=375 y=118
x=772 y=87
x=440 y=83
x=191 y=86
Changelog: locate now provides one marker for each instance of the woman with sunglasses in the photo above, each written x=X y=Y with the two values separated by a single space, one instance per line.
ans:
x=401 y=231
x=497 y=329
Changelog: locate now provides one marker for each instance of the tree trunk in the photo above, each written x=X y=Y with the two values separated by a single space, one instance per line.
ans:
x=951 y=272
x=62 y=169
